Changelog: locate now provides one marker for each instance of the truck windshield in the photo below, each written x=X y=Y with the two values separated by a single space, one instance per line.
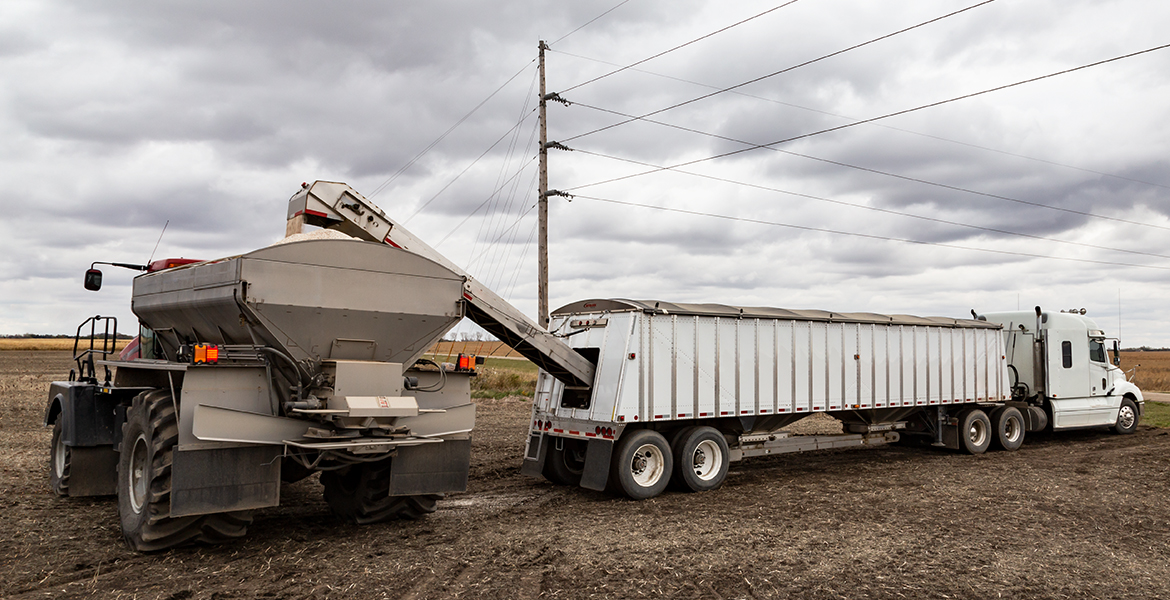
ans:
x=1097 y=351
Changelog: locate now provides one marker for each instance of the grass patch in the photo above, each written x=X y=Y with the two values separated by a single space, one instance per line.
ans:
x=1157 y=414
x=501 y=382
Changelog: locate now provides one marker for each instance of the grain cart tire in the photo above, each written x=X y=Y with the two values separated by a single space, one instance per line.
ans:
x=60 y=460
x=564 y=466
x=361 y=494
x=1008 y=427
x=642 y=464
x=701 y=459
x=1127 y=417
x=974 y=431
x=150 y=433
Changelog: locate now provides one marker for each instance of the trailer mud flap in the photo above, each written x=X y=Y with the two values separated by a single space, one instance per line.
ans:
x=533 y=464
x=597 y=458
x=93 y=471
x=430 y=468
x=216 y=480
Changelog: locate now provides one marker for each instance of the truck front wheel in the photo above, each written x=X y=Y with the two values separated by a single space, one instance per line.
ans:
x=974 y=431
x=149 y=435
x=60 y=460
x=642 y=464
x=1127 y=417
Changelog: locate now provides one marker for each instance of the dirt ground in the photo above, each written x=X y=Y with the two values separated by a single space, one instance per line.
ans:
x=1075 y=515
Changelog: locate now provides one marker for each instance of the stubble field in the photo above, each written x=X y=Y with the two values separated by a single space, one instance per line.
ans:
x=1073 y=515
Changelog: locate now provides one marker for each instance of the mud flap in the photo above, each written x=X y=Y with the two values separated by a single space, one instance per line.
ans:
x=597 y=458
x=430 y=468
x=217 y=480
x=533 y=465
x=93 y=471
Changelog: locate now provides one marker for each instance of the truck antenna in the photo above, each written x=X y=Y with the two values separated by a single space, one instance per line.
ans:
x=148 y=261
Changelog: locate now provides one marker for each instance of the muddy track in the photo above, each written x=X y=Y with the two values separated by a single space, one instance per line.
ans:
x=1075 y=515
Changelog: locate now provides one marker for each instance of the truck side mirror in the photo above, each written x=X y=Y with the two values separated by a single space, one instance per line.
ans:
x=93 y=280
x=1116 y=353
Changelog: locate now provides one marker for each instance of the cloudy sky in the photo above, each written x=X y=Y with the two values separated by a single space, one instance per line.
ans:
x=118 y=117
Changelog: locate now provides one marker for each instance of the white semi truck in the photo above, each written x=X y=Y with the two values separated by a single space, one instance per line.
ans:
x=681 y=390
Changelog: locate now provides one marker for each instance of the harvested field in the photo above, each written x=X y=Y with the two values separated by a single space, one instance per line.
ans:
x=1075 y=515
x=1151 y=369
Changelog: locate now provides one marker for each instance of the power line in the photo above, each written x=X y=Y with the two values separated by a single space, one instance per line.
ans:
x=866 y=235
x=665 y=52
x=485 y=201
x=871 y=170
x=882 y=125
x=403 y=169
x=781 y=71
x=885 y=116
x=590 y=22
x=467 y=168
x=888 y=211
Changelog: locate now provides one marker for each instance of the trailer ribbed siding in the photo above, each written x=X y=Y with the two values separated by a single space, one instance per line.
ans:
x=709 y=361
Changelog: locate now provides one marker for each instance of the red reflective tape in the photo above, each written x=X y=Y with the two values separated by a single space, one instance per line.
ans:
x=299 y=213
x=590 y=435
x=702 y=414
x=558 y=430
x=391 y=242
x=681 y=415
x=723 y=413
x=468 y=295
x=315 y=213
x=783 y=409
x=818 y=408
x=574 y=432
x=744 y=412
x=659 y=416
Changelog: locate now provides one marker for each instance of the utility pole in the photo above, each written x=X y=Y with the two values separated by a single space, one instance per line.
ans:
x=542 y=204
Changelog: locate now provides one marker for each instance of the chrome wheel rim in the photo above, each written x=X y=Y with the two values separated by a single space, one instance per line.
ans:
x=1013 y=429
x=707 y=460
x=977 y=432
x=647 y=465
x=1126 y=417
x=136 y=478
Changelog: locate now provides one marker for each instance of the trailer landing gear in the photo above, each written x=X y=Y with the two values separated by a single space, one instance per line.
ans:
x=149 y=435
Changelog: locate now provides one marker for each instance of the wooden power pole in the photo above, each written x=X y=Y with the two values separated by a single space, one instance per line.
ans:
x=542 y=204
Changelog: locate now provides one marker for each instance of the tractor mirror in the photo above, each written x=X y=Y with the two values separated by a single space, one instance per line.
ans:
x=93 y=280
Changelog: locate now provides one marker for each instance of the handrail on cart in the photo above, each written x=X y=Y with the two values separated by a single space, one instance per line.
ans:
x=84 y=357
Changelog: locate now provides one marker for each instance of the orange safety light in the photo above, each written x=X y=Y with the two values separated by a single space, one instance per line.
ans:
x=200 y=354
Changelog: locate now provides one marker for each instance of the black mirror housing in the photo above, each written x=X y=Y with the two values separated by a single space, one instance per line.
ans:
x=93 y=280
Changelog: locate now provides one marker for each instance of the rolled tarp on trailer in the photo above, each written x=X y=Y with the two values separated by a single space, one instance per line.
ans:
x=661 y=361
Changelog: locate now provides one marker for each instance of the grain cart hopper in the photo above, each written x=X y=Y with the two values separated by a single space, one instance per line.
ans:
x=296 y=358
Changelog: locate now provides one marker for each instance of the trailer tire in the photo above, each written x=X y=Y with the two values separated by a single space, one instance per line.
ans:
x=642 y=464
x=564 y=466
x=700 y=459
x=60 y=460
x=1008 y=424
x=1127 y=417
x=974 y=431
x=150 y=433
x=361 y=494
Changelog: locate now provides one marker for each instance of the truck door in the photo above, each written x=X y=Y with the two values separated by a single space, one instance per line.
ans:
x=1067 y=377
x=1103 y=407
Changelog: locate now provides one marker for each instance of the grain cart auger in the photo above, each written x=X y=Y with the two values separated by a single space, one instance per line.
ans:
x=301 y=357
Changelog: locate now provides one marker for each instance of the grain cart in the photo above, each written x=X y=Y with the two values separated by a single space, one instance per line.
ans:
x=297 y=358
x=681 y=390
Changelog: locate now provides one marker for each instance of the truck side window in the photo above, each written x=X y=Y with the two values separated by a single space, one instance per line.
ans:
x=1066 y=354
x=1097 y=351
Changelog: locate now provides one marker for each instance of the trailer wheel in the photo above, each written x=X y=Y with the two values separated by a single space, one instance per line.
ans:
x=1127 y=417
x=700 y=459
x=361 y=494
x=60 y=460
x=149 y=435
x=642 y=464
x=565 y=466
x=1008 y=424
x=974 y=431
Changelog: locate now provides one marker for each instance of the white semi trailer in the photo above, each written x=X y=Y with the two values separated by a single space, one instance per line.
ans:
x=681 y=390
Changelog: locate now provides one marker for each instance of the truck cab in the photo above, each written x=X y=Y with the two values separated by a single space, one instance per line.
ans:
x=1060 y=359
